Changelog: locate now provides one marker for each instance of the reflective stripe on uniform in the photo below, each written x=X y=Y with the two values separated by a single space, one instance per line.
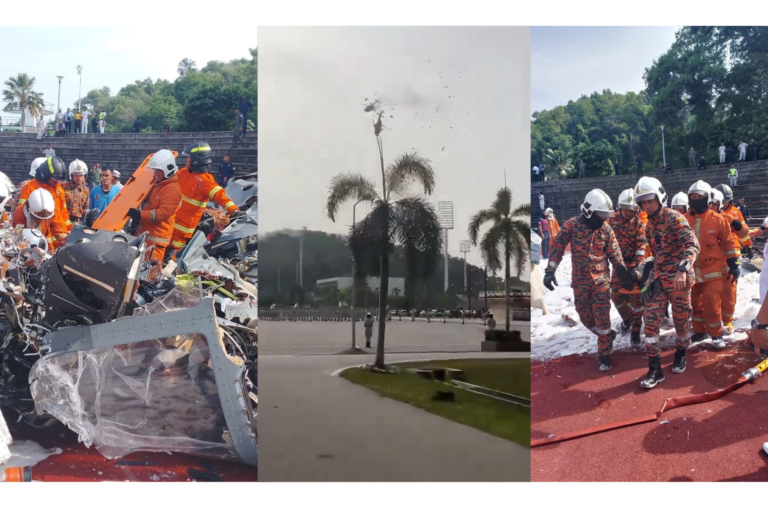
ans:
x=158 y=241
x=230 y=205
x=214 y=191
x=651 y=340
x=730 y=253
x=183 y=229
x=68 y=223
x=50 y=164
x=177 y=244
x=153 y=214
x=201 y=149
x=194 y=201
x=22 y=201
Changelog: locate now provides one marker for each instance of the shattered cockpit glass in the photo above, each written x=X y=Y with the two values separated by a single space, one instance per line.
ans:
x=152 y=395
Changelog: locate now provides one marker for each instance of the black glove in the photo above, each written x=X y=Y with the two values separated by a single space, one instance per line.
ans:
x=549 y=279
x=237 y=214
x=650 y=291
x=135 y=214
x=748 y=250
x=735 y=224
x=627 y=277
x=647 y=270
x=733 y=269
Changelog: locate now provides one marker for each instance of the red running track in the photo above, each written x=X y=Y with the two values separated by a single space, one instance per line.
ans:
x=77 y=463
x=715 y=441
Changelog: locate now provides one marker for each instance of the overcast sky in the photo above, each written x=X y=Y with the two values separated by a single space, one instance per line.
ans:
x=568 y=62
x=110 y=56
x=457 y=96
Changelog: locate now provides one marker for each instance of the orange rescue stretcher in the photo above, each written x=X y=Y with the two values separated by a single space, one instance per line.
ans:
x=132 y=195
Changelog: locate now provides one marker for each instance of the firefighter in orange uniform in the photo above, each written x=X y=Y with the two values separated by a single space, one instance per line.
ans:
x=554 y=227
x=37 y=212
x=740 y=233
x=717 y=248
x=47 y=176
x=197 y=188
x=158 y=211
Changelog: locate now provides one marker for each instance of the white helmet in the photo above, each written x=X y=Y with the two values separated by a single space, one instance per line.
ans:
x=680 y=199
x=41 y=204
x=165 y=161
x=6 y=189
x=35 y=164
x=703 y=188
x=717 y=196
x=627 y=200
x=77 y=167
x=34 y=238
x=647 y=187
x=116 y=173
x=597 y=202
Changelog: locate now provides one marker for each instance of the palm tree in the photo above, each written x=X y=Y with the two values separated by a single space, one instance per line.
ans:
x=509 y=233
x=19 y=94
x=560 y=164
x=396 y=219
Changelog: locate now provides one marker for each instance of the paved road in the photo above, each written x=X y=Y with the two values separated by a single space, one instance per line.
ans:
x=314 y=426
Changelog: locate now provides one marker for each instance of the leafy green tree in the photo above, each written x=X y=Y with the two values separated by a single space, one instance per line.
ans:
x=19 y=94
x=185 y=66
x=211 y=107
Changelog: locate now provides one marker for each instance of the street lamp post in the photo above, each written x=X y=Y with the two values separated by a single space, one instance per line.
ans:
x=445 y=212
x=354 y=287
x=58 y=101
x=80 y=88
x=301 y=258
x=278 y=280
x=663 y=151
x=464 y=248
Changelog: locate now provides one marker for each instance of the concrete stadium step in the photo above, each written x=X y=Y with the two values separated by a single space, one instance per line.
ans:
x=565 y=197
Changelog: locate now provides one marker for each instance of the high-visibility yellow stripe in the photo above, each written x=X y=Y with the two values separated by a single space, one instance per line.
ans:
x=177 y=244
x=183 y=229
x=201 y=149
x=68 y=223
x=229 y=205
x=214 y=191
x=50 y=164
x=22 y=201
x=158 y=241
x=194 y=202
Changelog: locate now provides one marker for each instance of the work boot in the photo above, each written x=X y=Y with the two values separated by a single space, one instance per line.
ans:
x=718 y=342
x=728 y=328
x=634 y=341
x=604 y=363
x=679 y=364
x=698 y=337
x=655 y=374
x=624 y=327
x=613 y=338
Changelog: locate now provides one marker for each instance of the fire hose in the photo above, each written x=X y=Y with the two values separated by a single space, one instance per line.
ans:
x=671 y=403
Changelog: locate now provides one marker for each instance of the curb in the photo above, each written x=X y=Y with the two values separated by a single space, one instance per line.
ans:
x=337 y=372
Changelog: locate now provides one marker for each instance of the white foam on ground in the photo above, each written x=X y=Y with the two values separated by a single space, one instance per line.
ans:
x=28 y=454
x=552 y=336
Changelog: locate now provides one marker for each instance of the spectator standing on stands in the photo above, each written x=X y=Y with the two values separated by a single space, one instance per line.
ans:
x=544 y=233
x=226 y=172
x=742 y=151
x=102 y=121
x=721 y=151
x=166 y=129
x=40 y=127
x=753 y=149
x=616 y=168
x=95 y=123
x=78 y=122
x=660 y=168
x=541 y=200
x=669 y=167
x=542 y=170
x=535 y=173
x=691 y=158
x=639 y=162
x=744 y=209
x=86 y=115
x=582 y=168
x=731 y=154
x=48 y=152
x=68 y=119
x=733 y=175
x=244 y=106
x=59 y=116
x=137 y=125
x=702 y=163
x=239 y=122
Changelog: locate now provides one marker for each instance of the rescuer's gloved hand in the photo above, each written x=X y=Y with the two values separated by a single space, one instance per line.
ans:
x=549 y=279
x=135 y=214
x=625 y=276
x=650 y=291
x=733 y=269
x=237 y=214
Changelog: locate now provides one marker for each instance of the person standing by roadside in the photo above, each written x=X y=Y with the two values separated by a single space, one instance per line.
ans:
x=535 y=173
x=753 y=149
x=742 y=151
x=541 y=201
x=244 y=106
x=733 y=175
x=702 y=163
x=76 y=193
x=744 y=209
x=582 y=168
x=368 y=325
x=731 y=154
x=639 y=162
x=95 y=123
x=48 y=152
x=78 y=122
x=102 y=121
x=40 y=127
x=116 y=179
x=166 y=128
x=137 y=125
x=102 y=195
x=691 y=158
x=721 y=151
